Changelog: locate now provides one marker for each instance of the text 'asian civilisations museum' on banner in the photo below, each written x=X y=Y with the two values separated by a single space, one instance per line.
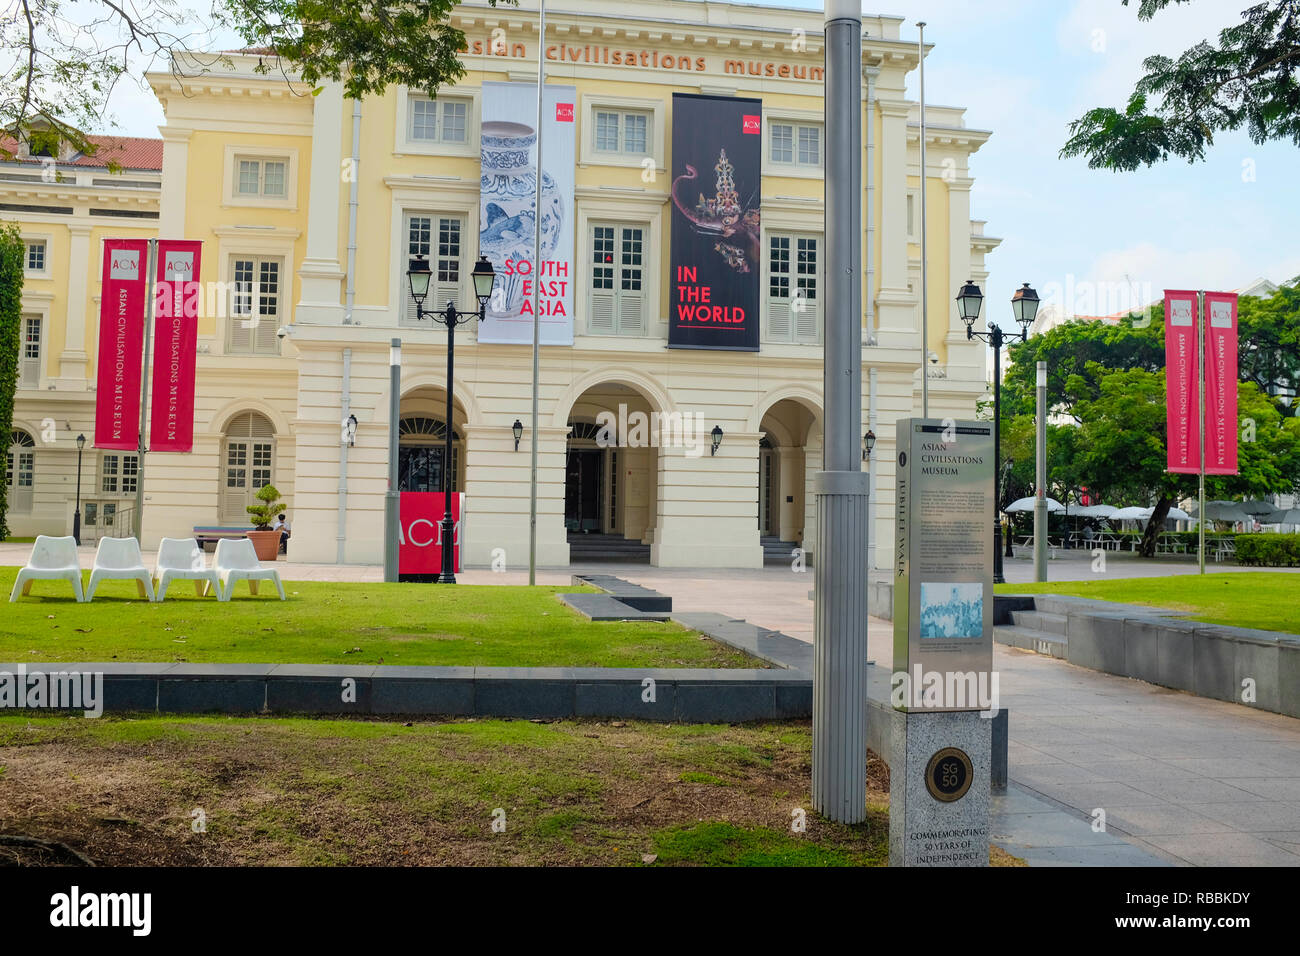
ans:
x=507 y=223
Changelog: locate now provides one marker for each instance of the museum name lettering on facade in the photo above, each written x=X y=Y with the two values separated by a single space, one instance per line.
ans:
x=644 y=60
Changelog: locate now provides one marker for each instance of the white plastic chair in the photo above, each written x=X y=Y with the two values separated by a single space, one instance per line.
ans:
x=181 y=559
x=119 y=559
x=236 y=561
x=53 y=559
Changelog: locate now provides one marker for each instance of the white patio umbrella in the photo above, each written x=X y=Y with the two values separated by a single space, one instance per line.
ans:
x=1027 y=504
x=1094 y=511
x=1144 y=514
x=1131 y=513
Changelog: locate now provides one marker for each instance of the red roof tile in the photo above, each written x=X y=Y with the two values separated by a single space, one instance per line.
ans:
x=129 y=152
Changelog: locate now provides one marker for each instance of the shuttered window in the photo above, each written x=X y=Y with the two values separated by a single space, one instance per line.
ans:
x=247 y=464
x=440 y=239
x=20 y=471
x=616 y=300
x=29 y=359
x=793 y=289
x=255 y=305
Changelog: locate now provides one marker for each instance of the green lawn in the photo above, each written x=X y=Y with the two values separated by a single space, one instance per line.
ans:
x=1268 y=600
x=346 y=792
x=326 y=623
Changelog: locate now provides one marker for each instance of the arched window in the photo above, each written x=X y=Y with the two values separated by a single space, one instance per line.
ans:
x=421 y=447
x=20 y=471
x=247 y=464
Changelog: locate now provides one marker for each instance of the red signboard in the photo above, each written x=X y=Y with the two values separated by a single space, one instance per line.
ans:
x=121 y=343
x=175 y=342
x=1181 y=383
x=420 y=545
x=1220 y=383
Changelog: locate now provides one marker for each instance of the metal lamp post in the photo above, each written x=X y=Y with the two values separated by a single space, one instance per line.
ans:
x=484 y=277
x=1024 y=306
x=76 y=514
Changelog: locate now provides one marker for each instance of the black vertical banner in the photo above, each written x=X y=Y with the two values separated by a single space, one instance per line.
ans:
x=716 y=249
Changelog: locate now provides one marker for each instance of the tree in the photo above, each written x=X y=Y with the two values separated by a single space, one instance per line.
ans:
x=1109 y=381
x=59 y=70
x=1123 y=447
x=1247 y=79
x=12 y=252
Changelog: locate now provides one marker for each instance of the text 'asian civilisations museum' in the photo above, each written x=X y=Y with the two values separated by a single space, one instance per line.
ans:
x=680 y=289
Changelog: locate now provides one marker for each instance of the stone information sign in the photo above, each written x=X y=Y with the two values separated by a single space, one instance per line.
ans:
x=943 y=686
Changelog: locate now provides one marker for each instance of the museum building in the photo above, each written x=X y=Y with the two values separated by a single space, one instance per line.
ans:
x=319 y=203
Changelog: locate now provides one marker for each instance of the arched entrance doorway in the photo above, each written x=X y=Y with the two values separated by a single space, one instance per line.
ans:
x=789 y=453
x=422 y=441
x=611 y=475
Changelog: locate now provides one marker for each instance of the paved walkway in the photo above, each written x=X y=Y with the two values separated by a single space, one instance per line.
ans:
x=1187 y=780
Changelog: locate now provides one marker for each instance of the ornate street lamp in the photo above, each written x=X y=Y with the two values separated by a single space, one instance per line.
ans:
x=1024 y=306
x=517 y=429
x=716 y=436
x=484 y=277
x=868 y=443
x=76 y=514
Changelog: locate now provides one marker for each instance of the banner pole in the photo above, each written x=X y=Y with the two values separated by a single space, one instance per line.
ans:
x=537 y=316
x=925 y=316
x=137 y=522
x=1200 y=386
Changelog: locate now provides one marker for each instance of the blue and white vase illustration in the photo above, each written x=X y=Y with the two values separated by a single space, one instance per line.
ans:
x=508 y=193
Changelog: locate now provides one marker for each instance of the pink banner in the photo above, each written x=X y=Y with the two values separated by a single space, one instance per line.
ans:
x=420 y=547
x=123 y=290
x=1181 y=385
x=175 y=343
x=1221 y=383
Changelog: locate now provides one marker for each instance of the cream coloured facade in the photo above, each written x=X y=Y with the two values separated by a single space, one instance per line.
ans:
x=271 y=178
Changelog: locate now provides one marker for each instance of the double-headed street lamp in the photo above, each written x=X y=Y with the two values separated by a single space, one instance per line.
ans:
x=1024 y=306
x=484 y=277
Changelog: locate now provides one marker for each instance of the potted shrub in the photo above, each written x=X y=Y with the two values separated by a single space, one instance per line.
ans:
x=265 y=541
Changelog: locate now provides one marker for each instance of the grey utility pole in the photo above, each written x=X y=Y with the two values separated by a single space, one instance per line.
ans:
x=1040 y=480
x=841 y=565
x=392 y=501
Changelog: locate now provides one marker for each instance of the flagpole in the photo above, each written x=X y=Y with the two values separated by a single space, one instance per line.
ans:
x=925 y=318
x=537 y=316
x=1200 y=386
x=137 y=523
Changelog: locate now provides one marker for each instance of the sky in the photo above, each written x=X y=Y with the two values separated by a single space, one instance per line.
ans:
x=1090 y=241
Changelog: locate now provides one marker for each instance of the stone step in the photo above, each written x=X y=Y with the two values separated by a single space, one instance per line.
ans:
x=1040 y=642
x=1058 y=604
x=1040 y=621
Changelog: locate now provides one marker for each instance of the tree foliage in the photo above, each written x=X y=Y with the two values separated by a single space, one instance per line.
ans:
x=61 y=61
x=12 y=251
x=1107 y=384
x=1249 y=78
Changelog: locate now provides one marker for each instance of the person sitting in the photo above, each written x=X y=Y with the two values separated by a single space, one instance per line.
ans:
x=282 y=525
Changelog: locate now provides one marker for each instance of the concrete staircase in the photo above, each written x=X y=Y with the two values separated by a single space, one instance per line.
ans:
x=585 y=548
x=776 y=551
x=1041 y=630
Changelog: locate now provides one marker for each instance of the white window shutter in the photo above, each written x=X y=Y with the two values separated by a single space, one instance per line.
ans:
x=629 y=313
x=600 y=317
x=807 y=323
x=778 y=319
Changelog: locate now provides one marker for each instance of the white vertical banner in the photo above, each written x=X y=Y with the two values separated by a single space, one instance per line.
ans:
x=507 y=195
